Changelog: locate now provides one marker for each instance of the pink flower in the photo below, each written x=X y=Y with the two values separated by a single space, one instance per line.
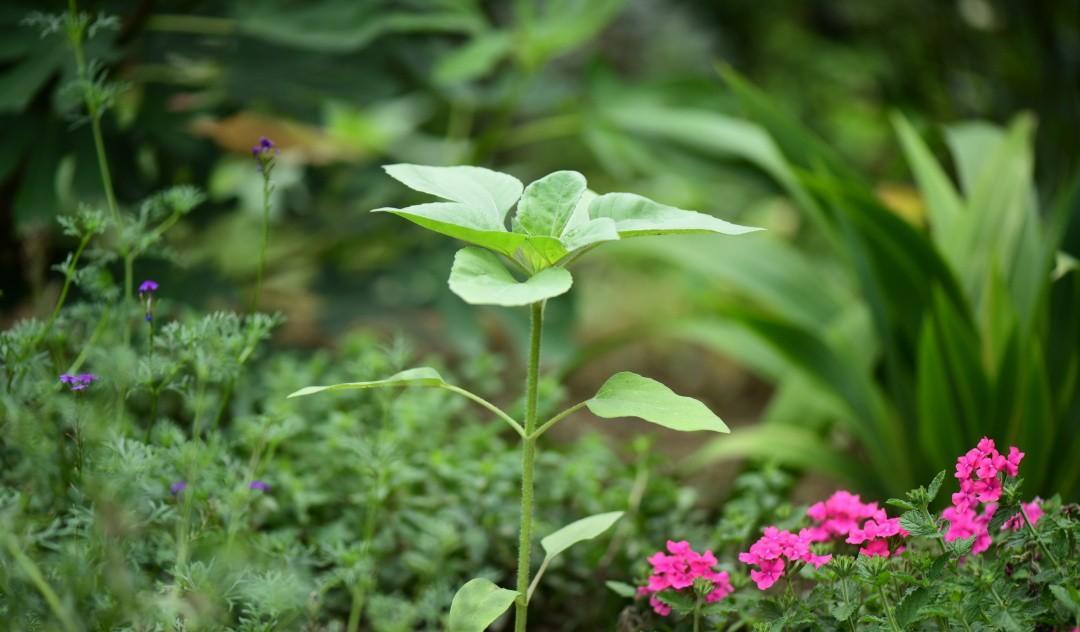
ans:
x=678 y=569
x=772 y=547
x=980 y=472
x=837 y=516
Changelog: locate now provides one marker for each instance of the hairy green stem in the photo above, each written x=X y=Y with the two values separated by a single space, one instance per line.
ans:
x=1042 y=545
x=528 y=460
x=886 y=605
x=34 y=573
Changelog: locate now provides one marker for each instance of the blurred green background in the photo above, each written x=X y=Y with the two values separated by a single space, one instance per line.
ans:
x=856 y=336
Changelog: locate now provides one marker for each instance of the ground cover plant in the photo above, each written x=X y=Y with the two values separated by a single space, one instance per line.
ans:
x=988 y=561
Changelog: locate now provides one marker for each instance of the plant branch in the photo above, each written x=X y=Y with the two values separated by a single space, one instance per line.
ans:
x=556 y=419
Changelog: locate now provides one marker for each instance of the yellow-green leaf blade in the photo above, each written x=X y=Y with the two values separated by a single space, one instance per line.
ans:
x=628 y=394
x=479 y=278
x=477 y=604
x=420 y=376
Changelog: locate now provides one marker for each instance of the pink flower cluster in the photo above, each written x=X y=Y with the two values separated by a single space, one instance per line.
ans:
x=979 y=472
x=844 y=516
x=678 y=571
x=772 y=548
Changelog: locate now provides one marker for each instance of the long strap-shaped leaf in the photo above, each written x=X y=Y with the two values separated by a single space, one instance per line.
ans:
x=421 y=376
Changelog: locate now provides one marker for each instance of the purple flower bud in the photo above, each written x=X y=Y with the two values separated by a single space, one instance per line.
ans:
x=148 y=286
x=262 y=486
x=177 y=487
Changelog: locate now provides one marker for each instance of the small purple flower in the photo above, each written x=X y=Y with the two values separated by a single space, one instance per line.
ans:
x=177 y=487
x=262 y=486
x=78 y=382
x=264 y=154
x=147 y=289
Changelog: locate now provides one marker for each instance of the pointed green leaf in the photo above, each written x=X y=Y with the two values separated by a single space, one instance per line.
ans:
x=578 y=531
x=547 y=204
x=635 y=215
x=484 y=190
x=631 y=395
x=542 y=252
x=460 y=222
x=477 y=604
x=473 y=60
x=591 y=232
x=479 y=278
x=421 y=376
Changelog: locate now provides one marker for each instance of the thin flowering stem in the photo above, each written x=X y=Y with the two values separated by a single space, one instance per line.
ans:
x=1039 y=540
x=890 y=615
x=264 y=154
x=69 y=277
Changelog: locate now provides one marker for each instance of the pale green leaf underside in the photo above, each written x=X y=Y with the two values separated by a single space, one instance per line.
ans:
x=578 y=531
x=630 y=395
x=635 y=215
x=483 y=190
x=421 y=376
x=547 y=204
x=460 y=222
x=479 y=278
x=477 y=604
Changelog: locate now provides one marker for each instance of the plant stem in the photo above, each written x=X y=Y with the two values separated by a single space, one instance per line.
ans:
x=528 y=458
x=69 y=276
x=34 y=573
x=75 y=36
x=1042 y=545
x=887 y=606
x=697 y=615
x=556 y=419
x=265 y=240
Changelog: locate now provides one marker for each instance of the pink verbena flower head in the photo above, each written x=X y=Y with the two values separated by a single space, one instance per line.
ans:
x=1033 y=510
x=838 y=516
x=678 y=569
x=874 y=536
x=980 y=472
x=773 y=547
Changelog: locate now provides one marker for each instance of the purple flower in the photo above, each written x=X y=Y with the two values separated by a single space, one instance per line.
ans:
x=262 y=486
x=264 y=154
x=147 y=287
x=177 y=487
x=78 y=382
x=265 y=146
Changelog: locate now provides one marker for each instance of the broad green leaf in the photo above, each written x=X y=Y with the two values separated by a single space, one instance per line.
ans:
x=475 y=59
x=591 y=232
x=420 y=376
x=479 y=278
x=635 y=215
x=477 y=604
x=630 y=395
x=578 y=531
x=547 y=204
x=943 y=203
x=488 y=192
x=542 y=252
x=461 y=222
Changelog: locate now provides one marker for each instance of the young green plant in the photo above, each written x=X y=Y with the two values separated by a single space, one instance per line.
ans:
x=556 y=222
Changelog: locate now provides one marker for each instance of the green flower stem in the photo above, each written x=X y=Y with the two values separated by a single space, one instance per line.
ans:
x=1042 y=545
x=528 y=459
x=69 y=276
x=697 y=614
x=266 y=190
x=889 y=614
x=34 y=573
x=556 y=419
x=75 y=36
